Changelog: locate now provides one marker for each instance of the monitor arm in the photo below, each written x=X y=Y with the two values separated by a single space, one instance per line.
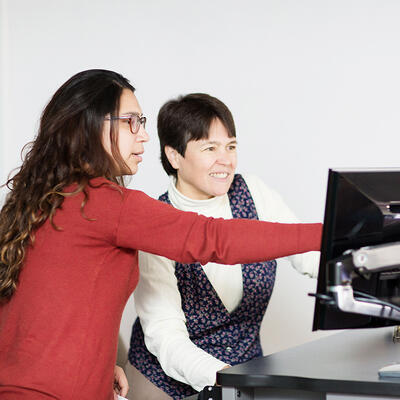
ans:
x=363 y=261
x=377 y=258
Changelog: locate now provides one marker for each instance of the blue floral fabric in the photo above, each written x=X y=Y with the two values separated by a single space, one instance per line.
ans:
x=231 y=337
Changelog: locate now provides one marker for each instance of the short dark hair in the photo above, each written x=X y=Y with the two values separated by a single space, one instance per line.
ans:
x=189 y=118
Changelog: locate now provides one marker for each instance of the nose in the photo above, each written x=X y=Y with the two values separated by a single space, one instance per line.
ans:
x=142 y=135
x=224 y=158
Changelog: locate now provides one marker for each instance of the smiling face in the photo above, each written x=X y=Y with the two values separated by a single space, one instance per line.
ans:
x=208 y=167
x=130 y=145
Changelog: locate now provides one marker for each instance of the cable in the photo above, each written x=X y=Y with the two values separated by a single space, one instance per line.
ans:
x=372 y=299
x=364 y=297
x=323 y=298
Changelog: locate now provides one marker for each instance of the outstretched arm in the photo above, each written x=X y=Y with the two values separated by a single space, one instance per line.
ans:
x=149 y=225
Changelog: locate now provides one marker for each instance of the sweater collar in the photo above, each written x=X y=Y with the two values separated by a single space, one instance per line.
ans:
x=183 y=202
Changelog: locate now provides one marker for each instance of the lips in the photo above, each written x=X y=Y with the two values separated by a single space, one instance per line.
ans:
x=138 y=156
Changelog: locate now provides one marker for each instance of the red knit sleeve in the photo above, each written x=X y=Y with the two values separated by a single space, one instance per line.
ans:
x=155 y=227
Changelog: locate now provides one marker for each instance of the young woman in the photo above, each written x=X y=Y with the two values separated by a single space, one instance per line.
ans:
x=197 y=319
x=70 y=234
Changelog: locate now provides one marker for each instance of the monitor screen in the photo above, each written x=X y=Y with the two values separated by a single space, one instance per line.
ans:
x=362 y=209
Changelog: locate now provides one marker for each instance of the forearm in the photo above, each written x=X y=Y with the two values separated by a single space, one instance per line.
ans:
x=263 y=240
x=183 y=361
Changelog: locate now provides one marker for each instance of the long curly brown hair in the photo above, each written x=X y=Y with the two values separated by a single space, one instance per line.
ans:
x=68 y=149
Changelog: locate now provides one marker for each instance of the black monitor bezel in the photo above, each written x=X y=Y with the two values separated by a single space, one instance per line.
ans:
x=327 y=317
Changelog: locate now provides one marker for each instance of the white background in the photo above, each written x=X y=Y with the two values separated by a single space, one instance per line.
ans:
x=312 y=84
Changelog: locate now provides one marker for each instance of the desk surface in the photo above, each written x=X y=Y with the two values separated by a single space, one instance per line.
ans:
x=346 y=362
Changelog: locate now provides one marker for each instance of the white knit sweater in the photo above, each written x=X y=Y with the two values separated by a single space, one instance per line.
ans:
x=157 y=298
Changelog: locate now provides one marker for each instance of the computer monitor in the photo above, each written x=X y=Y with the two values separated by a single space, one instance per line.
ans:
x=362 y=209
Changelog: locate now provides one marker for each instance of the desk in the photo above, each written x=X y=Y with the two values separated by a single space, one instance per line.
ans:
x=341 y=366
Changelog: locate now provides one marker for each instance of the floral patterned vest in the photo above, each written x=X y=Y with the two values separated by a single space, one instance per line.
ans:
x=231 y=337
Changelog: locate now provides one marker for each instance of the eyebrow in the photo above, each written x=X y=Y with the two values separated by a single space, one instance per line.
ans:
x=132 y=113
x=216 y=142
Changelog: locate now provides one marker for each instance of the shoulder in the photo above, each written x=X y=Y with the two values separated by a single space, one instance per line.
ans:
x=105 y=195
x=257 y=185
x=103 y=189
x=269 y=203
x=109 y=200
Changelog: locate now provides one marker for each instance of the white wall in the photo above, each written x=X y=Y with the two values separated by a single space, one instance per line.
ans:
x=312 y=84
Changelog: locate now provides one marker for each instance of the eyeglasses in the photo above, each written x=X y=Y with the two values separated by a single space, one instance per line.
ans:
x=134 y=121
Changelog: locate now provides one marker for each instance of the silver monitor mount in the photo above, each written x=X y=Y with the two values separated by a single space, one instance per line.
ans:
x=383 y=258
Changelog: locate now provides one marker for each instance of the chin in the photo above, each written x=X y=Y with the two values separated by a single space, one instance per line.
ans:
x=133 y=167
x=220 y=192
x=223 y=188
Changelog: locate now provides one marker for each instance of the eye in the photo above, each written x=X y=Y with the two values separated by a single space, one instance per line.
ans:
x=232 y=147
x=211 y=148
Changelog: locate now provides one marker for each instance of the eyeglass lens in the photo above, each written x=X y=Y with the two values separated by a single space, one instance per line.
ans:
x=135 y=123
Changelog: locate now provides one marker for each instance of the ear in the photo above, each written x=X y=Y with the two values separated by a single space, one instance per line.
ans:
x=173 y=156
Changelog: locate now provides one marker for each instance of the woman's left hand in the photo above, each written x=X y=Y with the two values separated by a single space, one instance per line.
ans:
x=121 y=386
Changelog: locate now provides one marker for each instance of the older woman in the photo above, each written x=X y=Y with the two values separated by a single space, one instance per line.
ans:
x=196 y=319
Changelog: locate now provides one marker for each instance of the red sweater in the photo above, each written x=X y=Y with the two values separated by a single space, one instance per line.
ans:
x=59 y=331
